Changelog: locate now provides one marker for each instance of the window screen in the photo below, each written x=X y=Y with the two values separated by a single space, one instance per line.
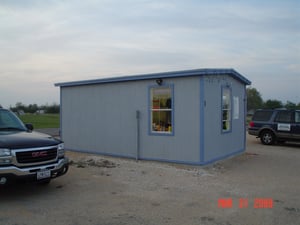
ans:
x=161 y=109
x=226 y=109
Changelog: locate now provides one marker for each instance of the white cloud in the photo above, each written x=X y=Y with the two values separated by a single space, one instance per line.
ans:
x=44 y=42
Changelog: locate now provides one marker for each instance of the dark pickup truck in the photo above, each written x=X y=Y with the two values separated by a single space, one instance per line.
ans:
x=275 y=125
x=26 y=154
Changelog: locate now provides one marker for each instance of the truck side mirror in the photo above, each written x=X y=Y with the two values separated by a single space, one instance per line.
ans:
x=29 y=126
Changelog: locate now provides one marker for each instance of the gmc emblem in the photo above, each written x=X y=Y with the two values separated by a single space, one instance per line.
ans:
x=39 y=154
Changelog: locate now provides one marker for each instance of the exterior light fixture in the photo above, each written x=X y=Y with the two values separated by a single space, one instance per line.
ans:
x=159 y=81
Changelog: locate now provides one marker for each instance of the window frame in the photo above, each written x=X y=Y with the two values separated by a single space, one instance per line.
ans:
x=262 y=115
x=297 y=116
x=224 y=88
x=151 y=110
x=282 y=116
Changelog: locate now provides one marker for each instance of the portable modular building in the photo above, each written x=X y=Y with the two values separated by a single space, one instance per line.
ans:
x=191 y=117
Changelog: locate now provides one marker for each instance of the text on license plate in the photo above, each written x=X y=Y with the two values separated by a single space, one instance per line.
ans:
x=43 y=174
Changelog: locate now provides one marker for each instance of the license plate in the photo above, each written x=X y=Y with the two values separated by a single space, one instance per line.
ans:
x=43 y=174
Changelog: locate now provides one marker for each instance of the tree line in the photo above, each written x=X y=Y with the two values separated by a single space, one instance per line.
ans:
x=34 y=108
x=255 y=101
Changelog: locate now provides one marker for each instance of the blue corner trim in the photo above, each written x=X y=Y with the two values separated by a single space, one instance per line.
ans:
x=192 y=163
x=245 y=115
x=159 y=159
x=223 y=157
x=202 y=120
x=102 y=153
x=60 y=114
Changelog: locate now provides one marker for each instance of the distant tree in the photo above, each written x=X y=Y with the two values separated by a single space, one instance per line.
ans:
x=290 y=105
x=18 y=107
x=254 y=99
x=32 y=108
x=273 y=104
x=54 y=108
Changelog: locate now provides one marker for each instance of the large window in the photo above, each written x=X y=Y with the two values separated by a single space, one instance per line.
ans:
x=226 y=109
x=161 y=110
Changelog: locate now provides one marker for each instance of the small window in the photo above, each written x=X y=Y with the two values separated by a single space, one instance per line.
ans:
x=297 y=117
x=262 y=115
x=161 y=110
x=284 y=117
x=226 y=109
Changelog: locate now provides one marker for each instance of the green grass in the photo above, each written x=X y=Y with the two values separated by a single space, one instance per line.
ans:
x=41 y=120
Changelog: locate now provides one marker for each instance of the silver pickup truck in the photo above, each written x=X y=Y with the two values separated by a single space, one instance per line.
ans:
x=28 y=155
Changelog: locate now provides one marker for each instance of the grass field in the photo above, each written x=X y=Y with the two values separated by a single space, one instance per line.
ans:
x=41 y=120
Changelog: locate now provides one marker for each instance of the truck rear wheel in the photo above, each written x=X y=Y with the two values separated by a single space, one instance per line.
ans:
x=267 y=137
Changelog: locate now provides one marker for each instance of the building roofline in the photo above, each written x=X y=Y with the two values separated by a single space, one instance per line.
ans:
x=163 y=75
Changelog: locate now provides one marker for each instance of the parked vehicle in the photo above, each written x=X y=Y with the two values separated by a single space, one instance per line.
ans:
x=26 y=154
x=275 y=126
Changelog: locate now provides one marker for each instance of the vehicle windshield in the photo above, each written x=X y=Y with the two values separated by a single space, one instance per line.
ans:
x=9 y=121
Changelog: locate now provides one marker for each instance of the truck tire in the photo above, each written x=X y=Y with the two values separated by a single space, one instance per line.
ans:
x=267 y=137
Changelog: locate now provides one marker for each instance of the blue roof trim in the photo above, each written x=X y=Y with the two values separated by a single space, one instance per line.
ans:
x=174 y=74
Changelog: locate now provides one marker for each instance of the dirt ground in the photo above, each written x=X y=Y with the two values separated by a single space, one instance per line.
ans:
x=261 y=186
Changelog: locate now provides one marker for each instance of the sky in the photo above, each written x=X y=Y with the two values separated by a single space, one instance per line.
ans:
x=53 y=41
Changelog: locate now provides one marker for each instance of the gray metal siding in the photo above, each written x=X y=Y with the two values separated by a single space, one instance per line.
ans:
x=184 y=145
x=102 y=118
x=220 y=144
